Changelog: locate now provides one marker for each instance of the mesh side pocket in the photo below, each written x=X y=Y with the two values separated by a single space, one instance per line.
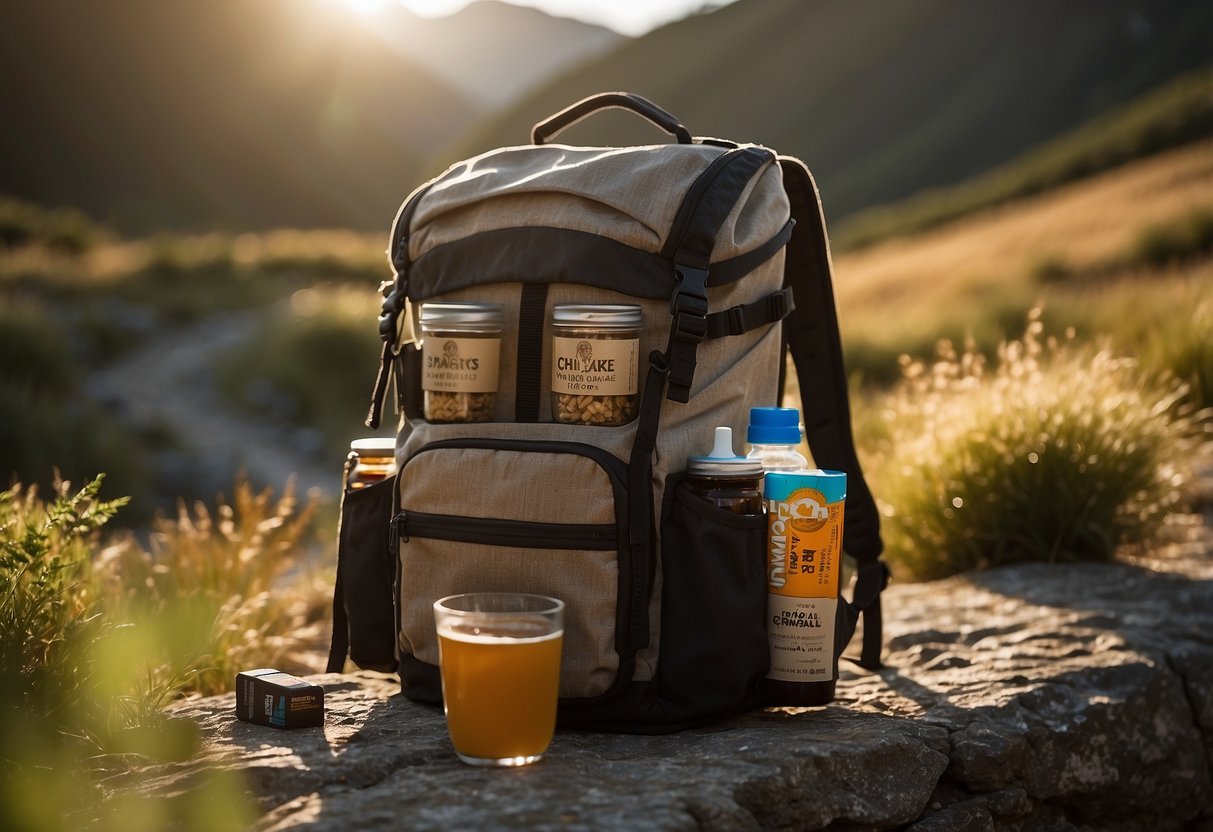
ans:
x=363 y=602
x=713 y=610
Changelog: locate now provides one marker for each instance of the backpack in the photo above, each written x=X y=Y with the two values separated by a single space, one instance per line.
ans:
x=723 y=247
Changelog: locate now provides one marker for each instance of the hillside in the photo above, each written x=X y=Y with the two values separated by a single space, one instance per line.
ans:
x=252 y=113
x=1089 y=251
x=1178 y=113
x=493 y=52
x=882 y=100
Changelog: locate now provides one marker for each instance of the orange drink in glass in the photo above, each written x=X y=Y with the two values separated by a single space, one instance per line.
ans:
x=499 y=654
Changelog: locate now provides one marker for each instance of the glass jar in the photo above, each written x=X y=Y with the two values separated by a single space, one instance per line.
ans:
x=595 y=354
x=371 y=460
x=730 y=482
x=460 y=355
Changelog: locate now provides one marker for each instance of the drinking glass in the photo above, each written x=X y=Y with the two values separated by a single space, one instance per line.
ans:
x=499 y=654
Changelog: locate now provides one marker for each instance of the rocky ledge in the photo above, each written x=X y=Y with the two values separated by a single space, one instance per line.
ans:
x=1035 y=697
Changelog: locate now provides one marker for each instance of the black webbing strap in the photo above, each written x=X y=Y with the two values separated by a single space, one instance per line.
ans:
x=738 y=320
x=816 y=346
x=395 y=296
x=339 y=644
x=708 y=202
x=531 y=328
x=641 y=543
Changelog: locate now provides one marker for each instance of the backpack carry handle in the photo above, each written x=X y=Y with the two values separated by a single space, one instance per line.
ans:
x=548 y=128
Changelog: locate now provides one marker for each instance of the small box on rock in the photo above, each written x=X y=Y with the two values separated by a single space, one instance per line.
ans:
x=271 y=697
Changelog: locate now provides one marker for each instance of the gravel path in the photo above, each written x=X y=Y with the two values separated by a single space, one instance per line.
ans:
x=170 y=382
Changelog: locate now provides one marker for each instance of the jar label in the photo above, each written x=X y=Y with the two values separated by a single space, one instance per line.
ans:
x=595 y=366
x=460 y=365
x=804 y=547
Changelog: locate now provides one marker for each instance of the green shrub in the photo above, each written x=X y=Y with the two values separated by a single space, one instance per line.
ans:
x=1163 y=317
x=873 y=352
x=64 y=230
x=226 y=586
x=49 y=429
x=1184 y=348
x=313 y=368
x=97 y=636
x=1172 y=242
x=33 y=353
x=49 y=609
x=1053 y=455
x=1050 y=268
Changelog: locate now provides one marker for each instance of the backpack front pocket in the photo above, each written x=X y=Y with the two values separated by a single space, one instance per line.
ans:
x=484 y=515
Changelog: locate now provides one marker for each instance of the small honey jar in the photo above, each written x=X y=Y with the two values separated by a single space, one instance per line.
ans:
x=370 y=460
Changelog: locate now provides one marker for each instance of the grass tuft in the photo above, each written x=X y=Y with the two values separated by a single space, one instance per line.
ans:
x=1053 y=454
x=98 y=635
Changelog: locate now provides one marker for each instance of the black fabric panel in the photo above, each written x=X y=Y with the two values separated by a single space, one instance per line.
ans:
x=539 y=255
x=709 y=202
x=409 y=397
x=528 y=383
x=710 y=663
x=363 y=608
x=420 y=681
x=735 y=268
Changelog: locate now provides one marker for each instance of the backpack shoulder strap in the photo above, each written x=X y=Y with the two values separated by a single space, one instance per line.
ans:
x=813 y=337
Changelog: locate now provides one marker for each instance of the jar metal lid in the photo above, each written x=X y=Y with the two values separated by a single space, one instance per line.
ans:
x=733 y=467
x=374 y=446
x=604 y=316
x=437 y=314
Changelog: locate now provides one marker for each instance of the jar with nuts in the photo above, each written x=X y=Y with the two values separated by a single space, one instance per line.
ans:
x=595 y=349
x=460 y=354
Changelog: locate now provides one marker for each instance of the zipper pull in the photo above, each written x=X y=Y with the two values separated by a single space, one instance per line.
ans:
x=396 y=532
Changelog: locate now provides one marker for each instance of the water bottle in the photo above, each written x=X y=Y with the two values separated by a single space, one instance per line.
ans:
x=774 y=437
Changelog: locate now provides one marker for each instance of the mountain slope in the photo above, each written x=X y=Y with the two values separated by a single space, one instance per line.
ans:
x=235 y=113
x=493 y=52
x=882 y=99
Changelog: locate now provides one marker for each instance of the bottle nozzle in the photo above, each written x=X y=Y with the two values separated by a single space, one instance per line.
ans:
x=723 y=447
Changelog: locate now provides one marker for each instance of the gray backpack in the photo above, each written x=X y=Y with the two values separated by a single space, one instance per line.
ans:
x=723 y=248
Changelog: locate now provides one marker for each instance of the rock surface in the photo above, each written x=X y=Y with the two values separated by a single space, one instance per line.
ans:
x=1035 y=697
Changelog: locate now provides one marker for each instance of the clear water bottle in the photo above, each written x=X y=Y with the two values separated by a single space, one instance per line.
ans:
x=774 y=436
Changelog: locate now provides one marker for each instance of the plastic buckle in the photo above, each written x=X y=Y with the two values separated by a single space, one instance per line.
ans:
x=691 y=329
x=394 y=293
x=689 y=304
x=659 y=362
x=780 y=304
x=736 y=320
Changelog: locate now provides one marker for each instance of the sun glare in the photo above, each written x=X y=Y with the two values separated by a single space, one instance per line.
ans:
x=367 y=7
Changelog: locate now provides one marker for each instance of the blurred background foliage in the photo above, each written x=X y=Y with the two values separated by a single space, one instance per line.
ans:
x=1021 y=205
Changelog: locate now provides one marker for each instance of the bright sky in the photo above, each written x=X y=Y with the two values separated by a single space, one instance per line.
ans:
x=632 y=17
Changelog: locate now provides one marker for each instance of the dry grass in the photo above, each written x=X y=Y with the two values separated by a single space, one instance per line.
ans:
x=917 y=281
x=340 y=251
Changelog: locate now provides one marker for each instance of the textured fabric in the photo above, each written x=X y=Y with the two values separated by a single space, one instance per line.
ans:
x=631 y=196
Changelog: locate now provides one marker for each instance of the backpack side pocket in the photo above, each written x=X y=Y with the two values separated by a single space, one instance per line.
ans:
x=713 y=609
x=363 y=599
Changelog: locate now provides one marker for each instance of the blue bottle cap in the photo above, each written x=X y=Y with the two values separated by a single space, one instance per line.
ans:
x=774 y=426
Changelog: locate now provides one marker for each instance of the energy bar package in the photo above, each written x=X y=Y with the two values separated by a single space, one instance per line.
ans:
x=271 y=697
